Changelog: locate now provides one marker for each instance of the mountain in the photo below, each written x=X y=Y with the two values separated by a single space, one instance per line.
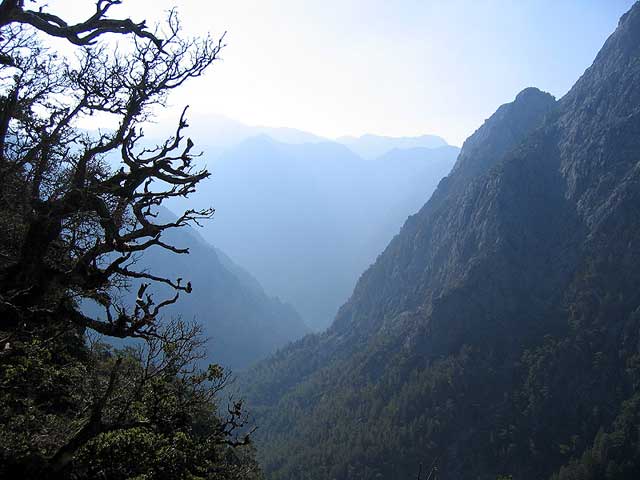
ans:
x=498 y=335
x=242 y=323
x=403 y=179
x=373 y=146
x=307 y=219
x=217 y=133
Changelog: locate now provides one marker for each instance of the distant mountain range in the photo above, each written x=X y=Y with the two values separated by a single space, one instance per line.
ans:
x=216 y=133
x=498 y=334
x=306 y=218
x=243 y=323
x=374 y=146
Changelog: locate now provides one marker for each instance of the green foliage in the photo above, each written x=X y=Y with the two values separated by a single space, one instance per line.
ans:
x=39 y=392
x=71 y=230
x=153 y=415
x=614 y=454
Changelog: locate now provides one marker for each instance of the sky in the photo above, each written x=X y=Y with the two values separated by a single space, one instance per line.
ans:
x=397 y=68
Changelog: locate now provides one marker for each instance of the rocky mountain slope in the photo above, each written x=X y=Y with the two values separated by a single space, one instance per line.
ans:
x=498 y=333
x=307 y=219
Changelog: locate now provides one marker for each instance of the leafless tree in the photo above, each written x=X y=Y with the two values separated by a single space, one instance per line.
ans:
x=73 y=222
x=76 y=210
x=83 y=33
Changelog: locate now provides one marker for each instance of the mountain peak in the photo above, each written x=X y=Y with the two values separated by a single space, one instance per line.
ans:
x=503 y=131
x=532 y=94
x=610 y=86
x=501 y=321
x=633 y=15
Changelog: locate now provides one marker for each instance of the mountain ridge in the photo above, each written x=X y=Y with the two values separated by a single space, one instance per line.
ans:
x=241 y=322
x=498 y=332
x=218 y=133
x=370 y=146
x=345 y=210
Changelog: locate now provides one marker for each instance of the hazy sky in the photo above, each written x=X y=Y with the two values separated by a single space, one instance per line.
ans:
x=402 y=67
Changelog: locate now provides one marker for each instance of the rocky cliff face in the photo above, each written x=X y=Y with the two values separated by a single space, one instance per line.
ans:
x=440 y=245
x=498 y=332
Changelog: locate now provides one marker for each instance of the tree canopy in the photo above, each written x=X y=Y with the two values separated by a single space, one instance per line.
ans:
x=73 y=223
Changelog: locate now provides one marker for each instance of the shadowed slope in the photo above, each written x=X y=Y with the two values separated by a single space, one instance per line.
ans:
x=498 y=332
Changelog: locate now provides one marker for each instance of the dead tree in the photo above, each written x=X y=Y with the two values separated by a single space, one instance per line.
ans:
x=83 y=33
x=73 y=222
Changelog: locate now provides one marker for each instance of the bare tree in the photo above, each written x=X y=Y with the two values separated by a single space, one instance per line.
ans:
x=83 y=33
x=76 y=210
x=73 y=222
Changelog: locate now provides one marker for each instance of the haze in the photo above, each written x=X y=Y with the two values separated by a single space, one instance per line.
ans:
x=337 y=67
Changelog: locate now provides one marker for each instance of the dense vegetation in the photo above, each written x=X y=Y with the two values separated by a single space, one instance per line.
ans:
x=78 y=409
x=498 y=334
x=72 y=227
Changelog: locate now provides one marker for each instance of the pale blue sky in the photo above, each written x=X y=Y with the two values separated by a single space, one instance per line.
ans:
x=403 y=67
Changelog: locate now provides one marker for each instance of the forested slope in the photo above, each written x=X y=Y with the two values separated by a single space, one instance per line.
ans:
x=498 y=332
